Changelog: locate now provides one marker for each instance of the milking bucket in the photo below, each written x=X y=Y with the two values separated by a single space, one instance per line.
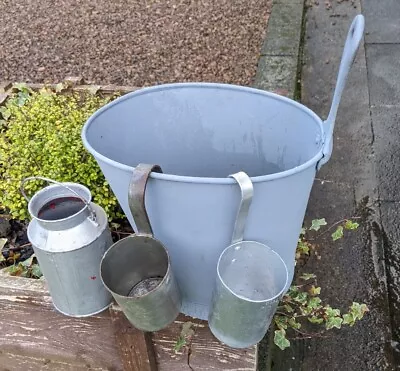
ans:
x=69 y=235
x=200 y=133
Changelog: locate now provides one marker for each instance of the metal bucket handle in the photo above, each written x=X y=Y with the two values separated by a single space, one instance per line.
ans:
x=246 y=189
x=353 y=40
x=136 y=193
x=92 y=212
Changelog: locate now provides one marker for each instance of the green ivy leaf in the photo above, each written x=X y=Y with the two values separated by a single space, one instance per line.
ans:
x=280 y=339
x=301 y=297
x=314 y=303
x=334 y=322
x=348 y=319
x=307 y=276
x=303 y=247
x=350 y=225
x=338 y=233
x=15 y=270
x=306 y=310
x=36 y=271
x=22 y=97
x=358 y=310
x=315 y=320
x=281 y=322
x=6 y=113
x=314 y=291
x=180 y=343
x=330 y=312
x=317 y=223
x=293 y=323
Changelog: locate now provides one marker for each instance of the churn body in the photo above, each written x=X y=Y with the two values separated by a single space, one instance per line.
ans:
x=69 y=252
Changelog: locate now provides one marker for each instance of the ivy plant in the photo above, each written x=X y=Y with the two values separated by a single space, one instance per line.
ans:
x=302 y=303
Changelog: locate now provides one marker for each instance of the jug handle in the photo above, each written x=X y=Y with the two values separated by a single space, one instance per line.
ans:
x=353 y=40
x=246 y=189
x=136 y=195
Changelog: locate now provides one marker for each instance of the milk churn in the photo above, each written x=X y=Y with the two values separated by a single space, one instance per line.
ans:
x=69 y=235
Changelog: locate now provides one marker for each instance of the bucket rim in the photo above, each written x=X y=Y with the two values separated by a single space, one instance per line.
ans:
x=205 y=180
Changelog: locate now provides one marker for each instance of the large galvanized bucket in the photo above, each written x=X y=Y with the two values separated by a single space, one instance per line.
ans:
x=200 y=133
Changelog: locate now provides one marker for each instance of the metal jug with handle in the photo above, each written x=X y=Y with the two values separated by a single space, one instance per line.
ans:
x=137 y=270
x=251 y=279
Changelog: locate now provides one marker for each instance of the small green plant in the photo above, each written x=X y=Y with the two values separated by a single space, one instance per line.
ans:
x=302 y=302
x=40 y=134
x=185 y=336
x=28 y=268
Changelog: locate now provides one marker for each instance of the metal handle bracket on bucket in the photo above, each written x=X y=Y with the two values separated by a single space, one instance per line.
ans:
x=353 y=40
x=246 y=189
x=136 y=194
x=92 y=212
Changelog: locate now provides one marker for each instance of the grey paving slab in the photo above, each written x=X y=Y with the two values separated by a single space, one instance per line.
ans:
x=384 y=73
x=352 y=270
x=386 y=124
x=382 y=21
x=390 y=217
x=284 y=29
x=277 y=74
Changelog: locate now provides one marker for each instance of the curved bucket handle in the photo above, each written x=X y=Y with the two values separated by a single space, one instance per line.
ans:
x=353 y=40
x=136 y=192
x=246 y=190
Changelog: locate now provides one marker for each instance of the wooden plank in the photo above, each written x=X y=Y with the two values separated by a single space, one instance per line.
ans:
x=22 y=286
x=135 y=346
x=30 y=326
x=14 y=362
x=204 y=352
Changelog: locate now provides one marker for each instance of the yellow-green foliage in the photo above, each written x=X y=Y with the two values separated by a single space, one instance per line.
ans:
x=40 y=134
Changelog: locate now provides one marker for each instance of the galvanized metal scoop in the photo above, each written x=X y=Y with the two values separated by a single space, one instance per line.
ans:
x=251 y=279
x=137 y=270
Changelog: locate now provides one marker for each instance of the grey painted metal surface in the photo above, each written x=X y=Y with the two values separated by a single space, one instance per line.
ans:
x=137 y=270
x=251 y=279
x=69 y=251
x=200 y=133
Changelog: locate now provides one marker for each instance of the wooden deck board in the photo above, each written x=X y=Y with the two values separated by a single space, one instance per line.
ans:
x=34 y=336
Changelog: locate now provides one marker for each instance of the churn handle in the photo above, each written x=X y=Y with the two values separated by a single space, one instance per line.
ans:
x=246 y=189
x=353 y=40
x=92 y=212
x=136 y=193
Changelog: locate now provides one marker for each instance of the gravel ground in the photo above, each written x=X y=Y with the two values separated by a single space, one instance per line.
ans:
x=133 y=42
